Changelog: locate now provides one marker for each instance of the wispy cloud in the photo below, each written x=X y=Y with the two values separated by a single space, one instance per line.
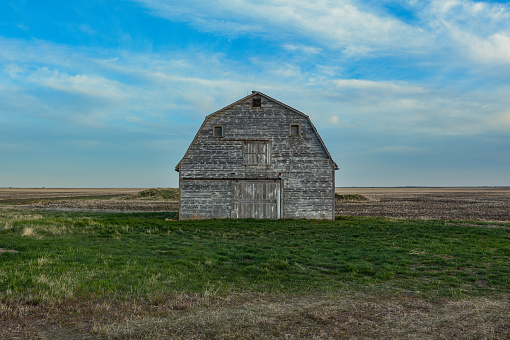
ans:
x=153 y=87
x=336 y=24
x=494 y=49
x=481 y=30
x=93 y=86
x=386 y=86
x=302 y=48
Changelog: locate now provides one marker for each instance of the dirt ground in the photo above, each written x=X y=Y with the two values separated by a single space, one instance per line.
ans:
x=113 y=205
x=258 y=316
x=92 y=199
x=22 y=194
x=491 y=204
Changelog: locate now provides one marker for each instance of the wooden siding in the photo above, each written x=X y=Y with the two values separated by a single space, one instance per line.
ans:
x=256 y=199
x=201 y=199
x=301 y=162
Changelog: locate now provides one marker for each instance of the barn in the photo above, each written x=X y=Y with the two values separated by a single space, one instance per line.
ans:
x=257 y=158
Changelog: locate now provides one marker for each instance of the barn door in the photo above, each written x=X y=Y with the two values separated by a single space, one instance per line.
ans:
x=256 y=199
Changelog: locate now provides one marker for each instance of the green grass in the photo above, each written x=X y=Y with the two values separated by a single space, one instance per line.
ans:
x=68 y=255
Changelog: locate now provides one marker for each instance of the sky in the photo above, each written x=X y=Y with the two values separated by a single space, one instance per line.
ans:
x=110 y=93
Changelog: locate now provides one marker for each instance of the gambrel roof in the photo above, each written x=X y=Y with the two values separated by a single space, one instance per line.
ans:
x=253 y=94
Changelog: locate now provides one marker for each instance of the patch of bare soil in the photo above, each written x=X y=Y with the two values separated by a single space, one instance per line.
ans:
x=13 y=194
x=111 y=199
x=2 y=250
x=490 y=204
x=249 y=316
x=108 y=205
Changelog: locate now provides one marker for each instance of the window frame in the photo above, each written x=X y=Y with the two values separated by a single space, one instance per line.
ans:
x=291 y=126
x=258 y=101
x=215 y=135
x=267 y=154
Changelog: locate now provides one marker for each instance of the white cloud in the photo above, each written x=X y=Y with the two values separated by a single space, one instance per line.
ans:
x=28 y=53
x=476 y=30
x=378 y=86
x=302 y=48
x=490 y=50
x=398 y=108
x=13 y=70
x=333 y=120
x=482 y=29
x=357 y=50
x=485 y=15
x=341 y=24
x=229 y=28
x=163 y=90
x=500 y=122
x=81 y=84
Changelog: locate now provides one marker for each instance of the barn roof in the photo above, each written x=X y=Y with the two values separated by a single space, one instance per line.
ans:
x=256 y=93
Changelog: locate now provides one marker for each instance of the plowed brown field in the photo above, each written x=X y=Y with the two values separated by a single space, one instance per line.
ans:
x=95 y=199
x=21 y=194
x=491 y=204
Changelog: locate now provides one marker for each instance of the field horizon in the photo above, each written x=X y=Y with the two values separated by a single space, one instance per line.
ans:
x=477 y=203
x=339 y=187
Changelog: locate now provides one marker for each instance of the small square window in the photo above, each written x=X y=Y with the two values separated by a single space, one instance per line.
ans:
x=218 y=131
x=294 y=130
x=257 y=102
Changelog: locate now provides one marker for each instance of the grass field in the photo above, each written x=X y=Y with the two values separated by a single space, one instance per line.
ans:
x=113 y=275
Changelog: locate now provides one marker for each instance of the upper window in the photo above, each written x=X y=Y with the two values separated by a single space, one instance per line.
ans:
x=295 y=130
x=256 y=153
x=257 y=102
x=218 y=131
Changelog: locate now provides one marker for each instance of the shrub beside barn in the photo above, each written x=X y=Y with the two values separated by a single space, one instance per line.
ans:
x=257 y=158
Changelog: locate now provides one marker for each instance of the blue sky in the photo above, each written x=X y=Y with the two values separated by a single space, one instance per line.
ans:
x=98 y=93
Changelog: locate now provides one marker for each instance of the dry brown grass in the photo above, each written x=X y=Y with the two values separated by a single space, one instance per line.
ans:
x=28 y=232
x=2 y=250
x=248 y=316
x=10 y=216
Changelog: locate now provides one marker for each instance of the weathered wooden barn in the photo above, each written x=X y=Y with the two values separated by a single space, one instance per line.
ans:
x=257 y=158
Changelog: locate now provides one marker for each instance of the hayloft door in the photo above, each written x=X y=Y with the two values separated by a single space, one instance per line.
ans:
x=256 y=199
